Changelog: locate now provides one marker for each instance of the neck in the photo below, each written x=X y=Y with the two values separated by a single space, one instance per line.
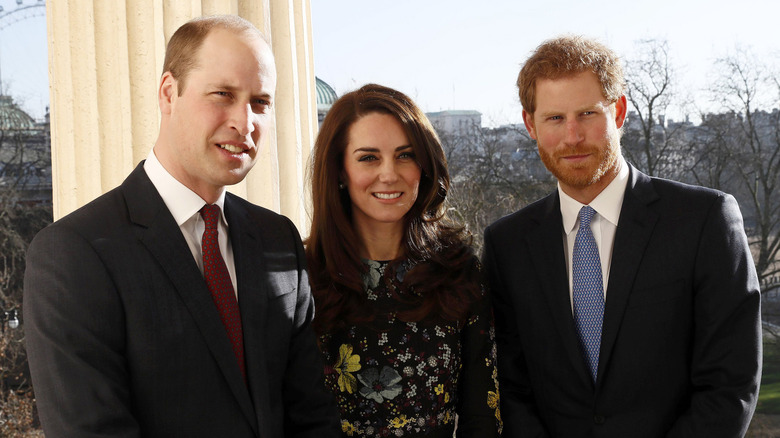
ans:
x=586 y=194
x=381 y=242
x=207 y=192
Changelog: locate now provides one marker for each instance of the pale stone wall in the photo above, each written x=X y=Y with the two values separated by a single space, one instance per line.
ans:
x=105 y=61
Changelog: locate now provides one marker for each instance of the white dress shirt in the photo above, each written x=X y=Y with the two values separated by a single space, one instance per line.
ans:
x=185 y=207
x=603 y=225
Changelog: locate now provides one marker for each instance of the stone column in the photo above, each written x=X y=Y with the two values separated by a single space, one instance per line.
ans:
x=105 y=62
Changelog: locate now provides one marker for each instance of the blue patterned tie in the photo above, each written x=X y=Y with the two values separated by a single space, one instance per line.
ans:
x=588 y=286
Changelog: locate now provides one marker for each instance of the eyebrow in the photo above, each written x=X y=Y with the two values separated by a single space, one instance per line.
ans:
x=373 y=149
x=233 y=89
x=579 y=110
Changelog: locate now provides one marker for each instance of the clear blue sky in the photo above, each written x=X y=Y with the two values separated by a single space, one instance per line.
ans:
x=456 y=54
x=23 y=56
x=453 y=54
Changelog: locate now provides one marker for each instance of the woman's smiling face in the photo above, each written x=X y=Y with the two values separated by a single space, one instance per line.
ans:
x=380 y=171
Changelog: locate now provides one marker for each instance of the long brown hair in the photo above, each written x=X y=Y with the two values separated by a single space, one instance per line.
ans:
x=443 y=261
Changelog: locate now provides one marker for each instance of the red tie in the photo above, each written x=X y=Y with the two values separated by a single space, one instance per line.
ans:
x=218 y=281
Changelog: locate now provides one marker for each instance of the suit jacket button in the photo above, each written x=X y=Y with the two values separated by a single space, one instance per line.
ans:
x=599 y=419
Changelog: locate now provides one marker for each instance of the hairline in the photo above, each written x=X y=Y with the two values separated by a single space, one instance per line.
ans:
x=234 y=24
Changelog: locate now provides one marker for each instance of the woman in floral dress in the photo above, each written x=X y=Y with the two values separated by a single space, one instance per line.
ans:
x=403 y=319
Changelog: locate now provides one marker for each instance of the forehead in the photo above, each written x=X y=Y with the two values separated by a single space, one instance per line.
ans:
x=376 y=130
x=228 y=55
x=578 y=89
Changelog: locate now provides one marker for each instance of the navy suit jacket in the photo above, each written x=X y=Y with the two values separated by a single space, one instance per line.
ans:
x=124 y=339
x=681 y=340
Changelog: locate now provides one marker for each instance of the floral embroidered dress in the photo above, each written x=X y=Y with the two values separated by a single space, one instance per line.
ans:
x=404 y=379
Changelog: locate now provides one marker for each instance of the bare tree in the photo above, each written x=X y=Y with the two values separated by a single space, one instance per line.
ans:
x=651 y=143
x=25 y=208
x=709 y=146
x=747 y=88
x=494 y=172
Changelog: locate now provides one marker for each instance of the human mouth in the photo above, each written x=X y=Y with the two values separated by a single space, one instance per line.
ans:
x=231 y=148
x=575 y=158
x=388 y=195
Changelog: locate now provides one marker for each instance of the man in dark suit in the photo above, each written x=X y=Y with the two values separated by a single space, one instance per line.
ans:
x=626 y=306
x=148 y=316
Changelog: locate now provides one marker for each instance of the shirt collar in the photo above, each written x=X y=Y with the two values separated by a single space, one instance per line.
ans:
x=607 y=204
x=182 y=202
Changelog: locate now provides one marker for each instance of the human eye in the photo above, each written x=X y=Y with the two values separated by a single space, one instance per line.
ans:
x=367 y=158
x=406 y=155
x=222 y=96
x=260 y=105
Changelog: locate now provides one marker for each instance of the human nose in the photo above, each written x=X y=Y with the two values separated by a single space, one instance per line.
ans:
x=573 y=132
x=242 y=119
x=387 y=172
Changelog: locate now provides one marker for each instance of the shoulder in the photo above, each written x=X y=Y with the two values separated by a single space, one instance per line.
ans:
x=75 y=239
x=102 y=213
x=677 y=198
x=651 y=190
x=134 y=201
x=682 y=190
x=269 y=224
x=256 y=212
x=525 y=219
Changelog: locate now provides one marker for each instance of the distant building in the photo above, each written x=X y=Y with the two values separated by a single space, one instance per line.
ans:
x=325 y=98
x=25 y=155
x=456 y=122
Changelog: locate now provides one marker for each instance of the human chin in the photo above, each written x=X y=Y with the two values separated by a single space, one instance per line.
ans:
x=588 y=173
x=369 y=218
x=236 y=174
x=579 y=176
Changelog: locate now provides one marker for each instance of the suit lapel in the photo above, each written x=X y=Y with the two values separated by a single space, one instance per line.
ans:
x=546 y=247
x=162 y=237
x=250 y=276
x=635 y=228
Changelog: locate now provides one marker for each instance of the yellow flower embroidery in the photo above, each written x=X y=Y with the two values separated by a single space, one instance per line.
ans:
x=399 y=422
x=447 y=397
x=492 y=400
x=347 y=428
x=439 y=389
x=347 y=364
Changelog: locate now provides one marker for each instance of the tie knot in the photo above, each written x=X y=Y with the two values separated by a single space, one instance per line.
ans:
x=210 y=214
x=586 y=214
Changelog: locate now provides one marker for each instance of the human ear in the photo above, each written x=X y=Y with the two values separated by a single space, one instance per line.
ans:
x=620 y=111
x=167 y=92
x=528 y=120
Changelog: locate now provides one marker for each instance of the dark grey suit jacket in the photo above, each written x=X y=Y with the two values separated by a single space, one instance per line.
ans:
x=124 y=339
x=681 y=341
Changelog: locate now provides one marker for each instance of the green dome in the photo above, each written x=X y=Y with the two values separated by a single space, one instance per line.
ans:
x=12 y=117
x=325 y=95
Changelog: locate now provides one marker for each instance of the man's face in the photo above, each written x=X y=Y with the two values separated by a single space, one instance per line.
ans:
x=215 y=127
x=576 y=131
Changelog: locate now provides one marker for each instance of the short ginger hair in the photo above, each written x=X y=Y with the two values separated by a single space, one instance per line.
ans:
x=566 y=56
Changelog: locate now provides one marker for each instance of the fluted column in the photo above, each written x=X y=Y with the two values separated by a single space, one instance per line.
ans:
x=295 y=110
x=105 y=61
